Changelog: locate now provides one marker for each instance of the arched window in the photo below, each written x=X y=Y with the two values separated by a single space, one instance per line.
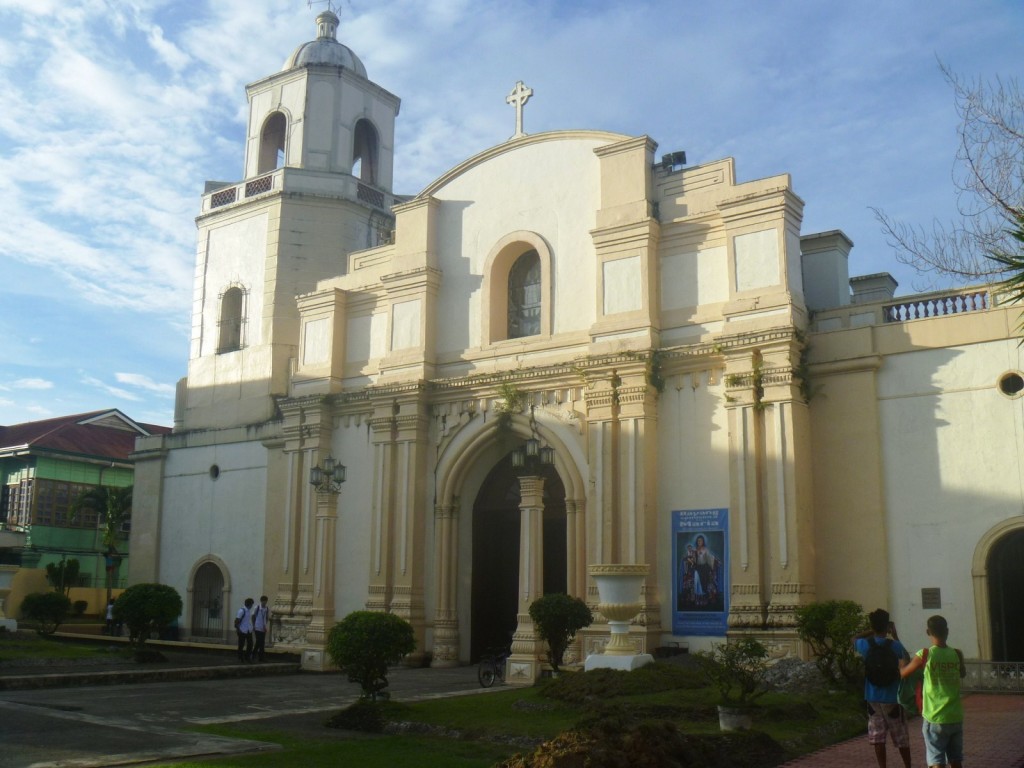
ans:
x=364 y=152
x=231 y=313
x=524 y=296
x=272 y=143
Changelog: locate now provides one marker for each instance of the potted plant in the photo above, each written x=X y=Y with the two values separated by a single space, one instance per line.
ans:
x=737 y=669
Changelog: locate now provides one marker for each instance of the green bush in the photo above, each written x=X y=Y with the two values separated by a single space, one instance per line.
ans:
x=557 y=618
x=737 y=669
x=146 y=608
x=828 y=628
x=365 y=643
x=47 y=609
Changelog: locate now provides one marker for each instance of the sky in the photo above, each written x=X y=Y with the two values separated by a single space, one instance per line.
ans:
x=113 y=114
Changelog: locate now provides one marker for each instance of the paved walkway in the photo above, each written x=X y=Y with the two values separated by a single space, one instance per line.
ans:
x=993 y=738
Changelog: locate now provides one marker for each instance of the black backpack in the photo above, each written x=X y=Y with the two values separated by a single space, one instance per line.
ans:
x=881 y=665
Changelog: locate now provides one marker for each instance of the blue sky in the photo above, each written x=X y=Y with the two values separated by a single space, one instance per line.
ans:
x=115 y=112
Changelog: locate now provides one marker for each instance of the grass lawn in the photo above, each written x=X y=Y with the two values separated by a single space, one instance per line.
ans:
x=28 y=645
x=467 y=729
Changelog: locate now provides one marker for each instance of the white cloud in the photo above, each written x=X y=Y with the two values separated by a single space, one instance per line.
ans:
x=32 y=384
x=102 y=386
x=144 y=382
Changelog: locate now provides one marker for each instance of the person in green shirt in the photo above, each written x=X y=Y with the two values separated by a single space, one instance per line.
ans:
x=942 y=710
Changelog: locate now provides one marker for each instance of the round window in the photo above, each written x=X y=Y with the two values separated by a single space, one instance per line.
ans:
x=214 y=471
x=1011 y=384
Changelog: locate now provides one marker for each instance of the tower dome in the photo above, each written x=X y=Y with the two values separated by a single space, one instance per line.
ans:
x=325 y=50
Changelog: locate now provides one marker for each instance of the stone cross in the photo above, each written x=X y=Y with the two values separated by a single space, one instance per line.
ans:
x=519 y=96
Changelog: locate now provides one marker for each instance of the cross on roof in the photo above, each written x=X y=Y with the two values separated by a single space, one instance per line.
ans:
x=519 y=96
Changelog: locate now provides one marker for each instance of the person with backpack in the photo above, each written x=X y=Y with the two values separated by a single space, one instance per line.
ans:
x=941 y=708
x=243 y=628
x=883 y=656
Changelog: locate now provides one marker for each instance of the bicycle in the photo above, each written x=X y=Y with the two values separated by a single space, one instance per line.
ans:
x=492 y=666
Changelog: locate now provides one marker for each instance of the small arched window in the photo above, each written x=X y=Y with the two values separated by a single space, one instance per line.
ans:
x=524 y=296
x=231 y=313
x=364 y=152
x=272 y=143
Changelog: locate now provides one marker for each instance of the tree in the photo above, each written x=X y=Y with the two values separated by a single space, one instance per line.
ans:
x=828 y=628
x=365 y=643
x=557 y=618
x=114 y=507
x=47 y=609
x=989 y=180
x=63 y=575
x=146 y=608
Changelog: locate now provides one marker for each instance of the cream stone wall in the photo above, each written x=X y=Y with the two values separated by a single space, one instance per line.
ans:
x=231 y=519
x=912 y=453
x=549 y=187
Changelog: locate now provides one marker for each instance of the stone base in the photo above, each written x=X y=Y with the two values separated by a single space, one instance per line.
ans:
x=626 y=663
x=316 y=660
x=9 y=624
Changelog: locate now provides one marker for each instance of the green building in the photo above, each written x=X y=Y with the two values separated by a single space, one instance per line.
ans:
x=44 y=467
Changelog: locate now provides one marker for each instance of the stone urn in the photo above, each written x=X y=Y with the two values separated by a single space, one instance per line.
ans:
x=619 y=587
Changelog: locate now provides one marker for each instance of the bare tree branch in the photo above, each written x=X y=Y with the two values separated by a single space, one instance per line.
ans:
x=988 y=174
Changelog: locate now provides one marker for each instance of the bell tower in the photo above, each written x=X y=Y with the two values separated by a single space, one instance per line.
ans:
x=316 y=185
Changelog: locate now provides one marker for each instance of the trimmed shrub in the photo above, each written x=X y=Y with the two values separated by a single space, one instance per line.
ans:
x=737 y=669
x=47 y=609
x=828 y=628
x=365 y=643
x=557 y=618
x=599 y=685
x=80 y=606
x=145 y=609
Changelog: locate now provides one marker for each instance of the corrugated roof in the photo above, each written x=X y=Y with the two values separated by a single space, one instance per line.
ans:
x=105 y=434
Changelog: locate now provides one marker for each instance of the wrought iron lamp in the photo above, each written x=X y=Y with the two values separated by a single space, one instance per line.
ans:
x=327 y=479
x=530 y=455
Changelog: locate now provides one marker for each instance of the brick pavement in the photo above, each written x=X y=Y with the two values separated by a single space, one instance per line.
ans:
x=993 y=738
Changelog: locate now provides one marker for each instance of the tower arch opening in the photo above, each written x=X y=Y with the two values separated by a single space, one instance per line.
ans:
x=272 y=141
x=365 y=152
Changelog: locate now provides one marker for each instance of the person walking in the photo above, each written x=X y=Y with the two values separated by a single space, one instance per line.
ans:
x=261 y=625
x=883 y=654
x=942 y=709
x=243 y=627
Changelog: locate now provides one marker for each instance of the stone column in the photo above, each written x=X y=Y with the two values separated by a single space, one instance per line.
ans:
x=527 y=649
x=323 y=568
x=446 y=558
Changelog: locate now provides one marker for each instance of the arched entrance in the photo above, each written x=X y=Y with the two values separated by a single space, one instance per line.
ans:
x=496 y=529
x=1006 y=584
x=208 y=601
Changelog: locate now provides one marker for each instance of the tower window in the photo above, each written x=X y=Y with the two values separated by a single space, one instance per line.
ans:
x=365 y=146
x=231 y=318
x=272 y=143
x=524 y=296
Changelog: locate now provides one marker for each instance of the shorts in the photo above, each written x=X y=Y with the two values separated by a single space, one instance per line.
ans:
x=943 y=742
x=885 y=718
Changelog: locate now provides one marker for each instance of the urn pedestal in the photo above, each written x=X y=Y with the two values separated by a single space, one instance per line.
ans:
x=619 y=587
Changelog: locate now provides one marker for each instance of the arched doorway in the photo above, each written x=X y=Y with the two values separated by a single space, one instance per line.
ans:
x=1006 y=583
x=207 y=602
x=496 y=522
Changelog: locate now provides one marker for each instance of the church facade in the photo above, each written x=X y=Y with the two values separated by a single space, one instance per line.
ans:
x=566 y=351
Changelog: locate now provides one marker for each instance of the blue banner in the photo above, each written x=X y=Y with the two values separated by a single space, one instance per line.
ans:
x=700 y=558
